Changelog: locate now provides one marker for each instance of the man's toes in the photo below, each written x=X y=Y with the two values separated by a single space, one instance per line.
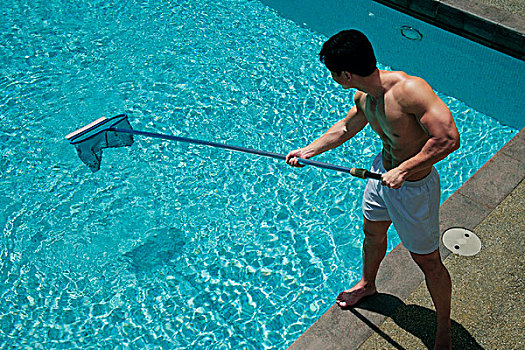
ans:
x=346 y=299
x=341 y=303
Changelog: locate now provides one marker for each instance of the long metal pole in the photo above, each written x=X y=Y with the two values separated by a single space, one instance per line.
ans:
x=361 y=173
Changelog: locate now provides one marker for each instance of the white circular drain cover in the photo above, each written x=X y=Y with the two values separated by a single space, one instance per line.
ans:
x=461 y=241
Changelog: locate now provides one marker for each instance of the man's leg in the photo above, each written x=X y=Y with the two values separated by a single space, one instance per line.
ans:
x=440 y=288
x=374 y=250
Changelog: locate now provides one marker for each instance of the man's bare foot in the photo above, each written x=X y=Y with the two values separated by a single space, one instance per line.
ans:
x=350 y=297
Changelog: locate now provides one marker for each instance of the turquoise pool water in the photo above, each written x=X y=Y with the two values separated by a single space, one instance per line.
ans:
x=169 y=245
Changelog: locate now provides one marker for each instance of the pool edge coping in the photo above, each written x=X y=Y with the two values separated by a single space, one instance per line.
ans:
x=398 y=275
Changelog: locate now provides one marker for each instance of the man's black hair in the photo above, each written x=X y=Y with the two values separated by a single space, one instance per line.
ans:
x=351 y=51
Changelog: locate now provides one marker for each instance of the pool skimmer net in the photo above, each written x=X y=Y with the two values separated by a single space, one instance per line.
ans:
x=91 y=139
x=461 y=241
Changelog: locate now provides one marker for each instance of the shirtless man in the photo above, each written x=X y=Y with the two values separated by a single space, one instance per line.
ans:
x=417 y=130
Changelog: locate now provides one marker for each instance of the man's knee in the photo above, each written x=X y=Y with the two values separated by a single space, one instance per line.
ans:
x=375 y=230
x=428 y=262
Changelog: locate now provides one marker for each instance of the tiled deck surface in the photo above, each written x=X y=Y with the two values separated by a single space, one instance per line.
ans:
x=487 y=298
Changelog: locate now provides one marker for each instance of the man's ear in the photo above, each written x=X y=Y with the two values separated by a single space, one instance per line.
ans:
x=347 y=75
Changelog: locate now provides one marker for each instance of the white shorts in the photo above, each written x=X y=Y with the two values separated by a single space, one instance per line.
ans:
x=413 y=208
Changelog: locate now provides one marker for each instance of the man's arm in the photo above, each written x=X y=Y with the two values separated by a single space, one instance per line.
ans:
x=338 y=134
x=434 y=116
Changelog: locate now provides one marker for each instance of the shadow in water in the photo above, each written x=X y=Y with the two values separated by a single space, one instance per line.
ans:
x=161 y=246
x=417 y=320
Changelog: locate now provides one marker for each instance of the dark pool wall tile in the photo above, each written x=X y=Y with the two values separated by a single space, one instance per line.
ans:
x=401 y=3
x=514 y=40
x=424 y=7
x=479 y=27
x=450 y=15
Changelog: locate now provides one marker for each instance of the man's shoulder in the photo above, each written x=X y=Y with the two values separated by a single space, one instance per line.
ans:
x=409 y=90
x=414 y=95
x=404 y=83
x=413 y=82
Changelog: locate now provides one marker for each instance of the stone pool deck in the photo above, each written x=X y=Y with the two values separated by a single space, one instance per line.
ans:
x=488 y=289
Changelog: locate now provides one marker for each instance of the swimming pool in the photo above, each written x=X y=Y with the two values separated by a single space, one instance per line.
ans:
x=171 y=245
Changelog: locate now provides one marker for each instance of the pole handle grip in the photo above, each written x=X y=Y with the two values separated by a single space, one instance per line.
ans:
x=363 y=174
